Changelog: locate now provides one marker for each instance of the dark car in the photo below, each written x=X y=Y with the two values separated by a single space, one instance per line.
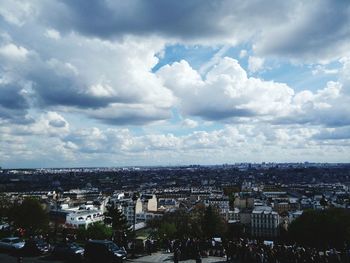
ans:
x=104 y=251
x=34 y=247
x=11 y=243
x=68 y=251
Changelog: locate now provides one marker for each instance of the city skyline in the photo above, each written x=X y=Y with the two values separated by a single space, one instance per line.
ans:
x=115 y=83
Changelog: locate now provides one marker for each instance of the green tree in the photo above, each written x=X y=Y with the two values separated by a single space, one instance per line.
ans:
x=180 y=223
x=29 y=215
x=99 y=231
x=167 y=230
x=4 y=207
x=212 y=223
x=117 y=220
x=95 y=231
x=321 y=228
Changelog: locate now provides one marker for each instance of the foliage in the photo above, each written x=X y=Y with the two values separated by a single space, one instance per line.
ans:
x=117 y=220
x=323 y=201
x=231 y=190
x=235 y=231
x=213 y=225
x=199 y=222
x=95 y=231
x=29 y=215
x=4 y=207
x=321 y=228
x=167 y=230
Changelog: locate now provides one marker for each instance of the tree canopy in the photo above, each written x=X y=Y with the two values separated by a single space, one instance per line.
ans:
x=321 y=228
x=95 y=231
x=117 y=220
x=29 y=215
x=200 y=222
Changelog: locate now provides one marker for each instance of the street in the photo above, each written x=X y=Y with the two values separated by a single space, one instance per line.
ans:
x=155 y=257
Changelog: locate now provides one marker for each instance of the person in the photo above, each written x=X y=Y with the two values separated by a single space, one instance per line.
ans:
x=176 y=254
x=148 y=247
x=197 y=251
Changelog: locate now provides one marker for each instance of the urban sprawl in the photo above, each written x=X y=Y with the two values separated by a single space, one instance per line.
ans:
x=244 y=212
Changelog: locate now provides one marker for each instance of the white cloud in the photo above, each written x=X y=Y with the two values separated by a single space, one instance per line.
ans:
x=11 y=51
x=188 y=123
x=243 y=53
x=16 y=12
x=255 y=64
x=58 y=58
x=52 y=33
x=225 y=92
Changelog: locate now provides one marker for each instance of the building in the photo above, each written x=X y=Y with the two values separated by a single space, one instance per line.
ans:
x=234 y=216
x=242 y=202
x=82 y=194
x=221 y=203
x=83 y=218
x=265 y=222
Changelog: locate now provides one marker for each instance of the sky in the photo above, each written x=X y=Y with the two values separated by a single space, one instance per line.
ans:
x=169 y=82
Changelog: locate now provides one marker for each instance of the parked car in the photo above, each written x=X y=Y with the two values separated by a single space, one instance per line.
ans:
x=68 y=251
x=11 y=243
x=104 y=251
x=35 y=246
x=4 y=226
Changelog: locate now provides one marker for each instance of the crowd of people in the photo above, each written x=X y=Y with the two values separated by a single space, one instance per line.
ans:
x=252 y=251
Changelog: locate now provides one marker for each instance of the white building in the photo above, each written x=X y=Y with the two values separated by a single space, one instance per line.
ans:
x=83 y=218
x=234 y=216
x=264 y=222
x=221 y=203
x=146 y=216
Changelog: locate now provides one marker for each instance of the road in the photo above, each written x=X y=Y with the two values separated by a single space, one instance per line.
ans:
x=5 y=258
x=154 y=258
x=167 y=257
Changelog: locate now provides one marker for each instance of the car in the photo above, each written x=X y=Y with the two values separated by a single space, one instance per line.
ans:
x=35 y=246
x=11 y=243
x=4 y=226
x=68 y=251
x=104 y=251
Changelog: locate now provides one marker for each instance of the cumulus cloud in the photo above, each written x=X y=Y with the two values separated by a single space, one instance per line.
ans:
x=295 y=29
x=327 y=107
x=12 y=51
x=341 y=133
x=52 y=33
x=16 y=12
x=94 y=60
x=314 y=31
x=225 y=92
x=111 y=80
x=188 y=123
x=255 y=64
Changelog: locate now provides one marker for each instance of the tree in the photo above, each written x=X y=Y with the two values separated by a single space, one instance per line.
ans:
x=4 y=207
x=323 y=202
x=212 y=223
x=115 y=218
x=231 y=199
x=178 y=224
x=167 y=230
x=320 y=228
x=29 y=215
x=99 y=231
x=95 y=231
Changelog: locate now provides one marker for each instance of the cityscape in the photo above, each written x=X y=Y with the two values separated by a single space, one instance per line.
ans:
x=174 y=131
x=246 y=203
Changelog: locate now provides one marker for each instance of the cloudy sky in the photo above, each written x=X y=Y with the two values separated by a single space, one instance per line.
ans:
x=165 y=82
